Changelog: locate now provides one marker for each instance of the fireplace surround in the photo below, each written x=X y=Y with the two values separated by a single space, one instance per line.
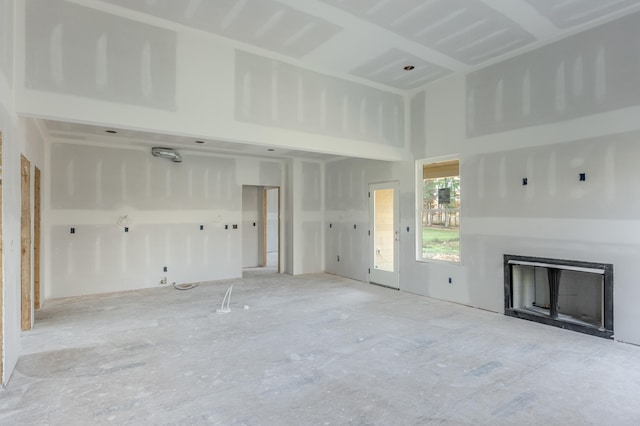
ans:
x=569 y=294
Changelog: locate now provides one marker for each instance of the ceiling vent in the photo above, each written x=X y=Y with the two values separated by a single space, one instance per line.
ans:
x=167 y=153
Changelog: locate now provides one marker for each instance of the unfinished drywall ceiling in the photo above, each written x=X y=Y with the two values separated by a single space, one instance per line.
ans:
x=566 y=14
x=469 y=31
x=265 y=23
x=67 y=131
x=585 y=74
x=78 y=50
x=342 y=38
x=388 y=69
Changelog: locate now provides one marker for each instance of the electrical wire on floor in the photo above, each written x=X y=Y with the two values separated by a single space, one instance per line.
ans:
x=184 y=286
x=227 y=299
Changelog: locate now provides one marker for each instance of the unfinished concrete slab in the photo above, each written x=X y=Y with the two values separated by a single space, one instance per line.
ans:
x=315 y=349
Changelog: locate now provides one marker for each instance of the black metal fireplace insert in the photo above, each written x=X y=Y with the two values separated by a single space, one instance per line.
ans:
x=568 y=294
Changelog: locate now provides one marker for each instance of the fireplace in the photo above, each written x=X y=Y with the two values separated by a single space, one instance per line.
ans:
x=569 y=294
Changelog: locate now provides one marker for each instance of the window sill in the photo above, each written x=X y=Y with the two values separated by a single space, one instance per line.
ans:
x=441 y=262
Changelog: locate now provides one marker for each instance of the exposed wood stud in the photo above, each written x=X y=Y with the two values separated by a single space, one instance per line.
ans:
x=36 y=238
x=25 y=245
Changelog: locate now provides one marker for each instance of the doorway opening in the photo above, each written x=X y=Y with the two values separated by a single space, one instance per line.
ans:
x=261 y=229
x=384 y=231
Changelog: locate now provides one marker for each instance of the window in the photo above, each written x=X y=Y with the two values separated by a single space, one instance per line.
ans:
x=440 y=211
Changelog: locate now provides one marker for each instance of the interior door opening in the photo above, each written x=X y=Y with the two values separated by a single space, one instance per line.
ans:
x=261 y=228
x=384 y=234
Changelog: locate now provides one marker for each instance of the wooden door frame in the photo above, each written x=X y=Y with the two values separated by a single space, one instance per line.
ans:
x=25 y=244
x=37 y=217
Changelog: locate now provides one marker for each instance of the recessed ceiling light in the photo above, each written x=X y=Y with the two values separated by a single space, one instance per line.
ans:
x=408 y=67
x=270 y=149
x=110 y=131
x=199 y=141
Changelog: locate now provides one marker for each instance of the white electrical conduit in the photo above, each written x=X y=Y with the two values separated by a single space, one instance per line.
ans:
x=227 y=298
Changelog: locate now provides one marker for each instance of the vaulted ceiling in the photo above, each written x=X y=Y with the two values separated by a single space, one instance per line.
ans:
x=375 y=39
x=370 y=41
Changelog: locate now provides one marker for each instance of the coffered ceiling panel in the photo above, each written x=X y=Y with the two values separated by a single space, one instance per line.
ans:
x=467 y=30
x=569 y=13
x=388 y=69
x=265 y=23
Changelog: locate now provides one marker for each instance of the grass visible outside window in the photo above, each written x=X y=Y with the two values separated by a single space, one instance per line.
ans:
x=441 y=243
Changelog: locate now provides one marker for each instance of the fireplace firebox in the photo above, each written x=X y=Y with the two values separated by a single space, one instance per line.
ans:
x=568 y=294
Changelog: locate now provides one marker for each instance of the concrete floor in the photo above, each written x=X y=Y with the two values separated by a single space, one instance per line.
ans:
x=313 y=349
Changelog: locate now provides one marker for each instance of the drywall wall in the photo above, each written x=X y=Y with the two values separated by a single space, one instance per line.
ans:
x=158 y=79
x=118 y=216
x=288 y=224
x=347 y=214
x=251 y=226
x=6 y=41
x=547 y=116
x=19 y=138
x=307 y=216
x=274 y=93
x=12 y=143
x=273 y=226
x=586 y=74
x=581 y=117
x=79 y=38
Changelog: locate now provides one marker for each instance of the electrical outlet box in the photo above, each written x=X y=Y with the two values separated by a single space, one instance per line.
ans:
x=163 y=281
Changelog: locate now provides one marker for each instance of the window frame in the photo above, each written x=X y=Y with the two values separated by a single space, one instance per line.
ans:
x=419 y=190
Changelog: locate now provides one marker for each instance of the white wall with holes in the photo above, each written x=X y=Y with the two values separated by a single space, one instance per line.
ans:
x=347 y=214
x=251 y=226
x=548 y=115
x=118 y=217
x=19 y=137
x=308 y=215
